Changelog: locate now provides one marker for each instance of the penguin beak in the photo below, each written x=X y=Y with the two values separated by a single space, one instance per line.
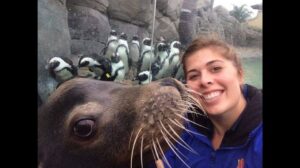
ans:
x=53 y=65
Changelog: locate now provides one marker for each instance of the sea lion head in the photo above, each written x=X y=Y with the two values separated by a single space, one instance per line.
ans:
x=88 y=123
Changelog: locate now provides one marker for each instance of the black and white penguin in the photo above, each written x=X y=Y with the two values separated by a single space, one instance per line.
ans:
x=118 y=69
x=147 y=55
x=106 y=67
x=61 y=69
x=144 y=77
x=94 y=66
x=123 y=51
x=111 y=44
x=89 y=67
x=178 y=73
x=174 y=58
x=134 y=54
x=162 y=59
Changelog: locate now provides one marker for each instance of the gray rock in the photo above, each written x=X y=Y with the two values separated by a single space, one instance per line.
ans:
x=187 y=24
x=89 y=29
x=134 y=11
x=170 y=8
x=79 y=47
x=129 y=29
x=87 y=24
x=53 y=40
x=203 y=4
x=99 y=5
x=165 y=27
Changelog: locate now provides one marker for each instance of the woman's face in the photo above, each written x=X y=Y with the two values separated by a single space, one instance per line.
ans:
x=217 y=79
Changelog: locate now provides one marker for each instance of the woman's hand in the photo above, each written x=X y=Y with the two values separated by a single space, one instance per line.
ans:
x=159 y=163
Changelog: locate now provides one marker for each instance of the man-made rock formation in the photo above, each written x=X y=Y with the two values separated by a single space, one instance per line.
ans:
x=53 y=40
x=73 y=27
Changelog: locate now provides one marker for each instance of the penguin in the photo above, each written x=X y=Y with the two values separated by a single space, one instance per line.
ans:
x=106 y=67
x=61 y=69
x=111 y=45
x=178 y=73
x=118 y=69
x=174 y=58
x=144 y=77
x=147 y=55
x=123 y=51
x=134 y=54
x=162 y=59
x=95 y=66
x=89 y=67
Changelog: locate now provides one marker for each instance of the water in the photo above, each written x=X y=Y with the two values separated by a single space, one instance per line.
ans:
x=253 y=71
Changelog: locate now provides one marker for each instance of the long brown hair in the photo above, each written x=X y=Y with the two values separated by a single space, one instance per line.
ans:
x=216 y=44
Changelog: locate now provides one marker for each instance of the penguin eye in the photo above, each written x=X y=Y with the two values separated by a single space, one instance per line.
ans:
x=83 y=64
x=84 y=128
x=54 y=64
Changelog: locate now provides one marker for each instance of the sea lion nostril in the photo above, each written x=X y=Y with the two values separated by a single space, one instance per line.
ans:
x=172 y=82
x=168 y=82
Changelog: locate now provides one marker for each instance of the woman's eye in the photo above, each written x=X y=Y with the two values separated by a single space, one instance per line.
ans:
x=191 y=77
x=216 y=69
x=84 y=128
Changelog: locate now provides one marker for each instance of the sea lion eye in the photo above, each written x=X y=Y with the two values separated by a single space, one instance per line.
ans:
x=84 y=128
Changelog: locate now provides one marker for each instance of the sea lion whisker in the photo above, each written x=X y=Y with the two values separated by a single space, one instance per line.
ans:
x=175 y=133
x=183 y=105
x=171 y=147
x=134 y=142
x=192 y=112
x=174 y=145
x=197 y=104
x=195 y=113
x=193 y=92
x=155 y=150
x=186 y=119
x=195 y=101
x=192 y=97
x=175 y=138
x=153 y=153
x=162 y=152
x=191 y=105
x=189 y=131
x=130 y=140
x=178 y=124
x=142 y=140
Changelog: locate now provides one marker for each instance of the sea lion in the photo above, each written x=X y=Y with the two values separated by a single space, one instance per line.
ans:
x=88 y=123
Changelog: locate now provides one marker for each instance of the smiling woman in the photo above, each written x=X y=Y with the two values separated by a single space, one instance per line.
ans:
x=136 y=43
x=232 y=115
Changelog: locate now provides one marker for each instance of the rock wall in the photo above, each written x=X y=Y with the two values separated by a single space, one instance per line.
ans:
x=73 y=27
x=53 y=40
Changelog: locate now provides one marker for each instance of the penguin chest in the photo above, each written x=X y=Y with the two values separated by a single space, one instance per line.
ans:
x=134 y=53
x=111 y=48
x=163 y=69
x=118 y=70
x=123 y=53
x=86 y=72
x=147 y=57
x=63 y=75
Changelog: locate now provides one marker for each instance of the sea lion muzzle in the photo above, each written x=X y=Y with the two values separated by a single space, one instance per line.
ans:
x=88 y=123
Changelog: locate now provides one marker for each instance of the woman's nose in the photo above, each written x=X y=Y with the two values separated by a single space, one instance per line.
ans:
x=206 y=79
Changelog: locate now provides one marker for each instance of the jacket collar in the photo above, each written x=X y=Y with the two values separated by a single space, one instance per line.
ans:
x=249 y=119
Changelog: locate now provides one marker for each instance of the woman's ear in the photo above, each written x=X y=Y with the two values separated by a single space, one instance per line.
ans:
x=241 y=76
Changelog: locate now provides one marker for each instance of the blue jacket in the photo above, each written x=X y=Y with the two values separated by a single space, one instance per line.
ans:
x=242 y=143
